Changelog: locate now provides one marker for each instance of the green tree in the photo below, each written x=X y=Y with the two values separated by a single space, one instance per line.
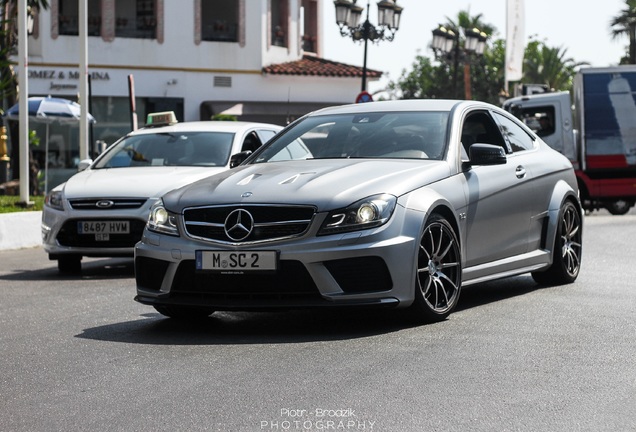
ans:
x=549 y=66
x=444 y=78
x=625 y=24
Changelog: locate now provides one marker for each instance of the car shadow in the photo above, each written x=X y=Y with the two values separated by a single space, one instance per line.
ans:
x=498 y=290
x=92 y=268
x=297 y=326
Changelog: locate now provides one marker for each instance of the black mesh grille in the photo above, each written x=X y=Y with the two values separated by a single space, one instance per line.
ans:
x=270 y=222
x=107 y=203
x=68 y=235
x=358 y=275
x=292 y=282
x=149 y=272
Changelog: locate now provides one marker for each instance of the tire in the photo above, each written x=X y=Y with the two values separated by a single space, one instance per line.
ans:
x=568 y=246
x=438 y=278
x=184 y=313
x=619 y=207
x=70 y=265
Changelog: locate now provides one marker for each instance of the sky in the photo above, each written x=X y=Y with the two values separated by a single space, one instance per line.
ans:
x=581 y=28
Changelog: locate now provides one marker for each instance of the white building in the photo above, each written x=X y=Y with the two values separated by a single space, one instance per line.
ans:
x=257 y=59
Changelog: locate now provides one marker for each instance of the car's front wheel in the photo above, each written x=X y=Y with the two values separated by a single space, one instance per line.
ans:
x=438 y=280
x=70 y=264
x=568 y=246
x=184 y=312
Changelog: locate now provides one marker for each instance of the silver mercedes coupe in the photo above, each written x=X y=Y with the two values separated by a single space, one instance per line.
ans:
x=388 y=204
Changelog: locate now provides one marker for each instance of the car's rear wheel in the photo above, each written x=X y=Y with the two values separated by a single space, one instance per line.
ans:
x=70 y=265
x=568 y=246
x=438 y=280
x=184 y=312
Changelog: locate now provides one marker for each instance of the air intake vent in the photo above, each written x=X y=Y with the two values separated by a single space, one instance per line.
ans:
x=222 y=81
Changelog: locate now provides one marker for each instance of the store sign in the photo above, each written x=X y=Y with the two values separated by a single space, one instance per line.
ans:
x=64 y=79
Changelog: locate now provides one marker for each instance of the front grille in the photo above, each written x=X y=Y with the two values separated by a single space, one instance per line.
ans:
x=68 y=236
x=358 y=275
x=291 y=282
x=106 y=203
x=269 y=222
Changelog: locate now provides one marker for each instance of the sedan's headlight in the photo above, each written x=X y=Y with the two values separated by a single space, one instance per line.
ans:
x=370 y=212
x=54 y=199
x=161 y=220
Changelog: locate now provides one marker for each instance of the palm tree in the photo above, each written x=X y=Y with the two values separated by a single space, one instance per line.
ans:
x=625 y=24
x=549 y=66
x=466 y=22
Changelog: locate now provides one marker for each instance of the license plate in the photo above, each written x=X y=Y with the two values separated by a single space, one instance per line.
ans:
x=237 y=262
x=103 y=227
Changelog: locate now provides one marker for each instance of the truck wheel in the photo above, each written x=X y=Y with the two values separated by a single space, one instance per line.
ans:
x=619 y=207
x=439 y=271
x=566 y=254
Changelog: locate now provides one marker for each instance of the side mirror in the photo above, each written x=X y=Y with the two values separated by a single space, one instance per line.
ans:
x=238 y=158
x=487 y=154
x=83 y=164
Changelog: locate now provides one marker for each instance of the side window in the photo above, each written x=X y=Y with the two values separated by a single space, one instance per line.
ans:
x=518 y=138
x=480 y=128
x=251 y=142
x=539 y=119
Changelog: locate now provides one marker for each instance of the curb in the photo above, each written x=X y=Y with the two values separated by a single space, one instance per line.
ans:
x=20 y=230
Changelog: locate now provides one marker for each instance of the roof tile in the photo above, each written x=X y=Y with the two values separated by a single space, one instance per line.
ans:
x=316 y=66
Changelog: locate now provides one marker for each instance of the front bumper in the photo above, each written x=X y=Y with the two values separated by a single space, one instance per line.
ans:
x=60 y=235
x=374 y=267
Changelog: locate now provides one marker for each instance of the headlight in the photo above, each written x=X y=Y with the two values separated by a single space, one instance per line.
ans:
x=370 y=212
x=161 y=220
x=55 y=200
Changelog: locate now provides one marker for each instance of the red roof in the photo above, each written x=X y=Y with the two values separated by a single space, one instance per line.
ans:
x=315 y=66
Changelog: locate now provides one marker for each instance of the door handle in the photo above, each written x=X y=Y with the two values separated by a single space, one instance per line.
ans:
x=520 y=172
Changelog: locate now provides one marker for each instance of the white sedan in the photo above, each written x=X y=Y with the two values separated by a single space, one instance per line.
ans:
x=102 y=210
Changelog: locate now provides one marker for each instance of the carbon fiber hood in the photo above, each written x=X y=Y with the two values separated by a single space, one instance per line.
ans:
x=326 y=184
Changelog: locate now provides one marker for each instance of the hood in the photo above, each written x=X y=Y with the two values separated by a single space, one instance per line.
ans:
x=324 y=183
x=142 y=182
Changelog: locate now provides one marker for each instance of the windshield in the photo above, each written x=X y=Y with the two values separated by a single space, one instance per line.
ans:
x=170 y=149
x=399 y=135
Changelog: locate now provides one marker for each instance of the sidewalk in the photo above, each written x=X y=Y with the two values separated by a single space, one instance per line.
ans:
x=20 y=230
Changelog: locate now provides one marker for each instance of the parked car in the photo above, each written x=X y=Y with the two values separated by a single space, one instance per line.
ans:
x=101 y=211
x=388 y=204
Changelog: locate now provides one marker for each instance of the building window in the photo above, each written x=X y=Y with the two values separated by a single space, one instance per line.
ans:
x=68 y=17
x=309 y=22
x=219 y=20
x=135 y=19
x=279 y=14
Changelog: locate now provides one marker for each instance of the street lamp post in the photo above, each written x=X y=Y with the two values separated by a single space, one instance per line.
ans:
x=348 y=15
x=446 y=46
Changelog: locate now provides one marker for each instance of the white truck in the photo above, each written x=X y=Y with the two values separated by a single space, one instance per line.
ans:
x=597 y=132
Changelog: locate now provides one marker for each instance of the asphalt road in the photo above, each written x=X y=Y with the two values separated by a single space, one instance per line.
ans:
x=78 y=354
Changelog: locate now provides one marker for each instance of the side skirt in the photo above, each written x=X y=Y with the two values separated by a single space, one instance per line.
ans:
x=519 y=264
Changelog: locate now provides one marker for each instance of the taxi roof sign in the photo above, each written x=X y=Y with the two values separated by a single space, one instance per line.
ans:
x=165 y=118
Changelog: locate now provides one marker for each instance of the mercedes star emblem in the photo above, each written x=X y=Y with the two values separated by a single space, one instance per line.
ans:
x=239 y=224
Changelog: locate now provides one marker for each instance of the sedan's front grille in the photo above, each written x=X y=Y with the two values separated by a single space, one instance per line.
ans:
x=106 y=203
x=255 y=222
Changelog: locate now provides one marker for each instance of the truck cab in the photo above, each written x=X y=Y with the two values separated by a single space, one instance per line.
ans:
x=597 y=133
